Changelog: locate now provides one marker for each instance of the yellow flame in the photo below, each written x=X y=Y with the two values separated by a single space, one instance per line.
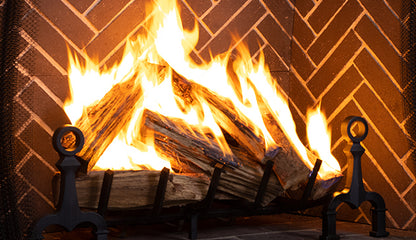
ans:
x=166 y=43
x=319 y=137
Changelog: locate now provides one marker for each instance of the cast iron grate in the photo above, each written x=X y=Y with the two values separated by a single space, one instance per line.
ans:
x=69 y=214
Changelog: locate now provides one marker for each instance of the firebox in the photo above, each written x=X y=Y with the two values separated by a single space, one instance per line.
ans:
x=351 y=57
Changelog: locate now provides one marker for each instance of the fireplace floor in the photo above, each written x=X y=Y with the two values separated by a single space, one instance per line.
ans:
x=282 y=226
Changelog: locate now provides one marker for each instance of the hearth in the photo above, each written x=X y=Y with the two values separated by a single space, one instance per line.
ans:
x=353 y=57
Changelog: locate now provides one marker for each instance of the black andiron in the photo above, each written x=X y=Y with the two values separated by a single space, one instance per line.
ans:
x=354 y=193
x=68 y=141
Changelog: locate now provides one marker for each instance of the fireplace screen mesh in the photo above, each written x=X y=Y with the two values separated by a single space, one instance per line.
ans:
x=409 y=65
x=16 y=215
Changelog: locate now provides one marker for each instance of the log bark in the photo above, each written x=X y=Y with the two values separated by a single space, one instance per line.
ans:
x=134 y=189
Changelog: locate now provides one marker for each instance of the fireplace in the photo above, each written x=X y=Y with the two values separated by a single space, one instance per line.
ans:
x=353 y=57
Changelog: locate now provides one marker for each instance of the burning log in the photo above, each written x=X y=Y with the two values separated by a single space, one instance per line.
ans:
x=133 y=189
x=197 y=153
x=103 y=121
x=289 y=167
x=292 y=171
x=226 y=114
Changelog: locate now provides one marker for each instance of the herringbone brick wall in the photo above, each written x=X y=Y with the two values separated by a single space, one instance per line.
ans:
x=344 y=54
x=347 y=55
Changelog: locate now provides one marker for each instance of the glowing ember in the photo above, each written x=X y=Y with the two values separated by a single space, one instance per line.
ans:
x=150 y=61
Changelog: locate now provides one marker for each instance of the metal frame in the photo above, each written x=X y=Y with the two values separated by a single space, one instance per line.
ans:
x=69 y=214
x=354 y=193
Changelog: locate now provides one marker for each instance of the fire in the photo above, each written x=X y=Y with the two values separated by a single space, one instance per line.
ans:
x=151 y=60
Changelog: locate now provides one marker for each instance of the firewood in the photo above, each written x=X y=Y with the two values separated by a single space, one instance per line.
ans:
x=195 y=153
x=292 y=171
x=134 y=189
x=225 y=113
x=104 y=120
x=187 y=148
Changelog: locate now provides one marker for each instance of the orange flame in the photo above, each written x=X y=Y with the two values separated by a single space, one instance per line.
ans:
x=167 y=43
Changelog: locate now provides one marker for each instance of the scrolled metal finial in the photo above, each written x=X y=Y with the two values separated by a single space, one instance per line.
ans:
x=347 y=124
x=68 y=140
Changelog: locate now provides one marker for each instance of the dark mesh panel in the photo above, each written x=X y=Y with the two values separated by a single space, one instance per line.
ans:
x=409 y=64
x=14 y=223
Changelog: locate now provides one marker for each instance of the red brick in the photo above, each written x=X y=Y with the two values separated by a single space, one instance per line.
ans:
x=400 y=213
x=335 y=30
x=283 y=80
x=118 y=30
x=81 y=6
x=61 y=16
x=19 y=150
x=323 y=13
x=299 y=94
x=350 y=109
x=301 y=31
x=380 y=46
x=105 y=11
x=218 y=16
x=382 y=84
x=204 y=37
x=253 y=42
x=40 y=141
x=187 y=17
x=340 y=90
x=410 y=126
x=339 y=154
x=346 y=213
x=38 y=174
x=35 y=206
x=195 y=57
x=21 y=115
x=199 y=7
x=383 y=120
x=239 y=26
x=38 y=66
x=43 y=106
x=393 y=169
x=397 y=7
x=334 y=64
x=283 y=12
x=272 y=60
x=277 y=39
x=301 y=62
x=21 y=80
x=304 y=6
x=188 y=22
x=118 y=55
x=300 y=124
x=383 y=16
x=47 y=37
x=410 y=197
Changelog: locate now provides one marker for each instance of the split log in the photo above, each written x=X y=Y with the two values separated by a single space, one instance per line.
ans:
x=239 y=127
x=190 y=149
x=135 y=189
x=103 y=121
x=292 y=171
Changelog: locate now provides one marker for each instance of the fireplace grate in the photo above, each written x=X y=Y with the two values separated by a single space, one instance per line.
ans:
x=69 y=214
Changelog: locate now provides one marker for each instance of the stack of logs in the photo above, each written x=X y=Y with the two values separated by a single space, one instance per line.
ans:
x=191 y=153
